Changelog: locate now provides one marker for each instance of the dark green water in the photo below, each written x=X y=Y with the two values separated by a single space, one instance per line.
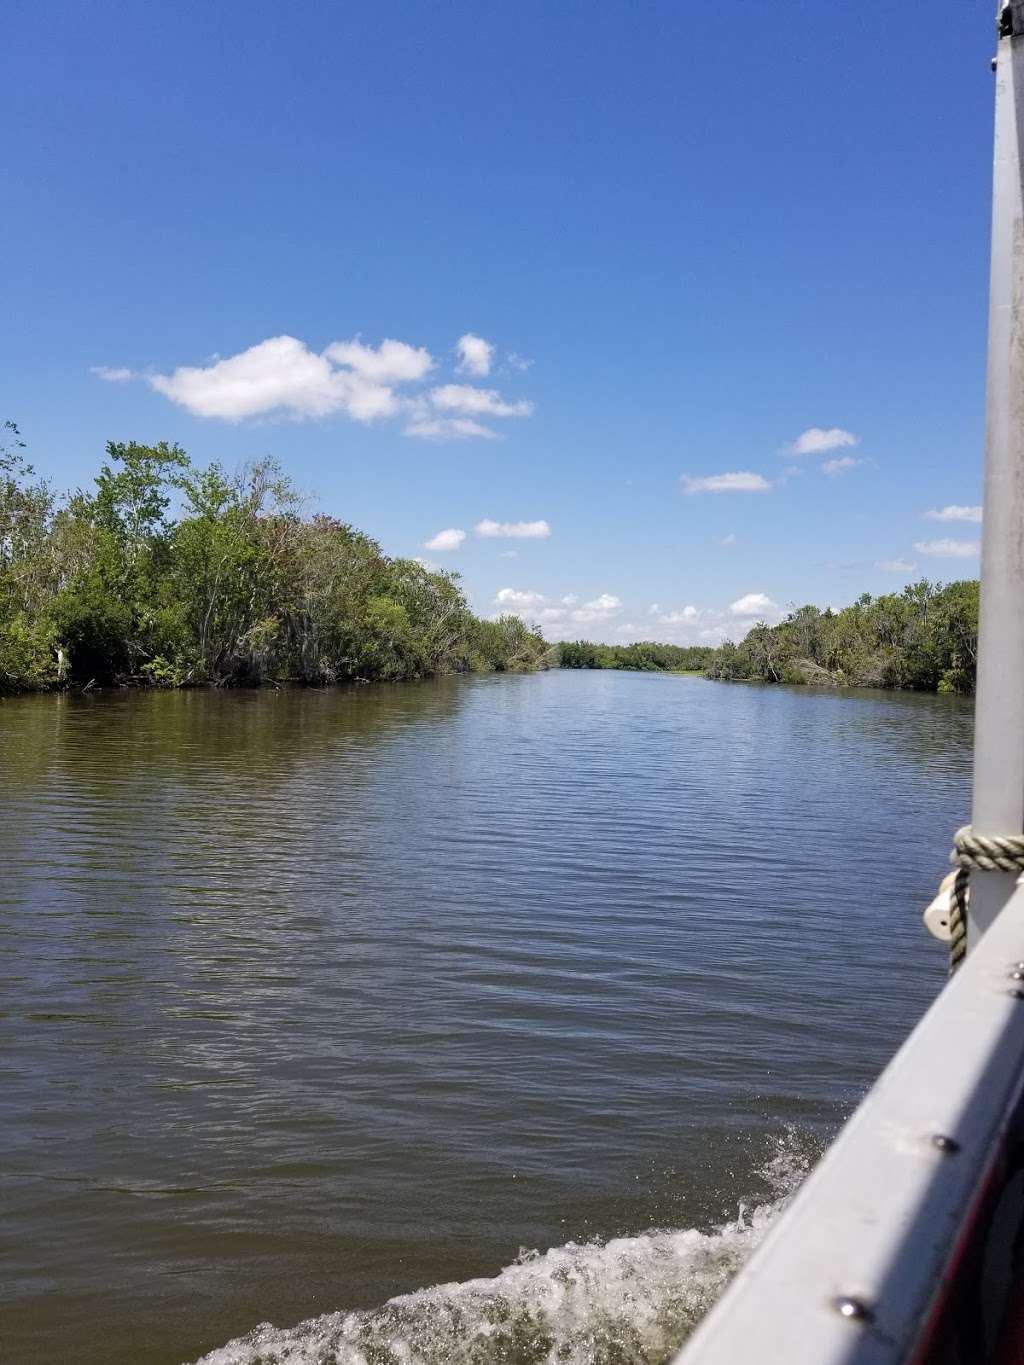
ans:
x=312 y=999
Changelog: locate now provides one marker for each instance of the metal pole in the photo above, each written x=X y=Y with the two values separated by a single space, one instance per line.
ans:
x=998 y=806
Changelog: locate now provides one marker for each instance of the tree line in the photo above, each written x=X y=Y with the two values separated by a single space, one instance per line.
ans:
x=168 y=574
x=645 y=656
x=924 y=638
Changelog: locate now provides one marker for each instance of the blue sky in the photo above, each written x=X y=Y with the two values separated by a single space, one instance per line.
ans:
x=677 y=236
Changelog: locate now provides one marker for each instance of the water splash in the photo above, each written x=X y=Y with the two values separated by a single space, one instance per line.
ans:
x=629 y=1301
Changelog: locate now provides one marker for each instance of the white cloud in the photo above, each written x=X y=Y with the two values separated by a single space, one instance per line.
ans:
x=517 y=599
x=392 y=362
x=840 y=465
x=518 y=362
x=282 y=375
x=947 y=549
x=450 y=539
x=113 y=374
x=601 y=608
x=728 y=541
x=756 y=605
x=475 y=354
x=954 y=513
x=536 y=607
x=513 y=530
x=473 y=402
x=742 y=482
x=817 y=441
x=896 y=565
x=509 y=554
x=445 y=428
x=679 y=618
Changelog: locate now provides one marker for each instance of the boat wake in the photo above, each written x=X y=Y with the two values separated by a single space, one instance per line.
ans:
x=628 y=1301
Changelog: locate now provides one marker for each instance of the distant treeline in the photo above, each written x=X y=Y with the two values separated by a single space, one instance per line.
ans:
x=925 y=638
x=164 y=573
x=643 y=657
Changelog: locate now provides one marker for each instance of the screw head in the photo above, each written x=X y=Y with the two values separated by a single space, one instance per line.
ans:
x=854 y=1309
x=945 y=1143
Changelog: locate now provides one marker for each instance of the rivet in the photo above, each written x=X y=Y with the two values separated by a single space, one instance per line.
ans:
x=995 y=62
x=1017 y=974
x=945 y=1143
x=854 y=1309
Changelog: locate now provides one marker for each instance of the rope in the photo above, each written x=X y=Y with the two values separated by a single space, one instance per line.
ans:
x=990 y=853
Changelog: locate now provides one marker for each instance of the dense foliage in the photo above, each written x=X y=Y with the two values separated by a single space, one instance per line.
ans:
x=925 y=637
x=643 y=657
x=168 y=574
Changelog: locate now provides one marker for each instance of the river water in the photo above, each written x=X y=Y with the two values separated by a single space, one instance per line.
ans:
x=314 y=999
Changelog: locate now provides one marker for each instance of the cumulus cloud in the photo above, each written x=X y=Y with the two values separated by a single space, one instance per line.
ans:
x=536 y=607
x=513 y=530
x=517 y=599
x=842 y=465
x=896 y=565
x=449 y=539
x=429 y=428
x=756 y=605
x=688 y=625
x=518 y=362
x=113 y=374
x=471 y=401
x=741 y=482
x=282 y=374
x=727 y=541
x=475 y=354
x=954 y=513
x=509 y=554
x=818 y=441
x=452 y=412
x=392 y=362
x=948 y=549
x=675 y=616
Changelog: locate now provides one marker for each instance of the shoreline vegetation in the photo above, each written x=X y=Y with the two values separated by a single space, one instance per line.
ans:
x=923 y=639
x=169 y=575
x=165 y=574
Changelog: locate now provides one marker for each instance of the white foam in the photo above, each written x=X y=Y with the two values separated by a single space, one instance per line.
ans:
x=630 y=1301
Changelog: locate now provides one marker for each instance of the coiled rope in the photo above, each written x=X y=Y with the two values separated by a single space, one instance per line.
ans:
x=990 y=853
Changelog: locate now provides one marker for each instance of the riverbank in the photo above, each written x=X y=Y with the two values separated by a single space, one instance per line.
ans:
x=923 y=639
x=171 y=575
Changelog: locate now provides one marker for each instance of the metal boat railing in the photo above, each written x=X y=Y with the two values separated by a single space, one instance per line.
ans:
x=881 y=1256
x=905 y=1245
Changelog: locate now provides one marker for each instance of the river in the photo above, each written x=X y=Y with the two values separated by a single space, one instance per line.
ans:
x=312 y=999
